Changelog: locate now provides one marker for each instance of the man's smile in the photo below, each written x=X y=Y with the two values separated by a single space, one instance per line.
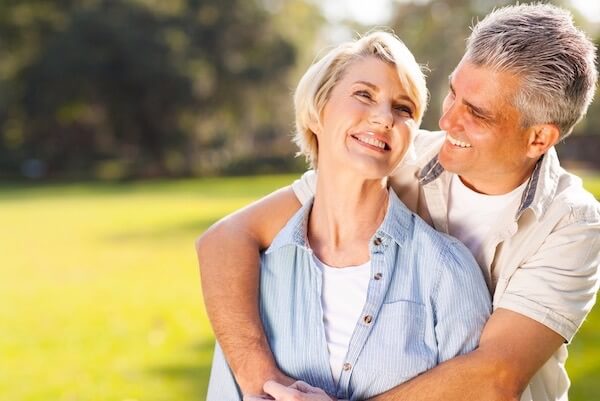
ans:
x=456 y=142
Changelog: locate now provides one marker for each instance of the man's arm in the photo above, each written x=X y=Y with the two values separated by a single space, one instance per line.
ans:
x=228 y=254
x=556 y=285
x=511 y=350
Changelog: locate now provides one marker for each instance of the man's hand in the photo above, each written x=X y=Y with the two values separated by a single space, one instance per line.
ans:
x=298 y=391
x=252 y=385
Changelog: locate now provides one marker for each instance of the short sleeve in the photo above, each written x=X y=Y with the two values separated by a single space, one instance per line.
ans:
x=557 y=285
x=304 y=188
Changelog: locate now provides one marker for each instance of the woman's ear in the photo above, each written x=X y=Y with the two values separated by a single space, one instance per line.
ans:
x=315 y=126
x=541 y=138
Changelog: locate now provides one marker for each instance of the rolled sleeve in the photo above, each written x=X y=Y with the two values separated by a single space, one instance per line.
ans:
x=557 y=285
x=462 y=303
x=305 y=187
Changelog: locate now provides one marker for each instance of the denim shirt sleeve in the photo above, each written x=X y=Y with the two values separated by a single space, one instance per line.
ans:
x=461 y=303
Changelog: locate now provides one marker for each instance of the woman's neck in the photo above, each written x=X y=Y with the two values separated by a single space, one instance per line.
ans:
x=346 y=213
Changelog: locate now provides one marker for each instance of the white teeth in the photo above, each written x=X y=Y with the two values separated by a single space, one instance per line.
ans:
x=456 y=142
x=372 y=142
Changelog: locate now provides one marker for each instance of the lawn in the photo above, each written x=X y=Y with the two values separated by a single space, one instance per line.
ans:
x=100 y=295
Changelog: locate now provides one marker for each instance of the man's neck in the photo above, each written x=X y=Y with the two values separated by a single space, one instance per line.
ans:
x=497 y=184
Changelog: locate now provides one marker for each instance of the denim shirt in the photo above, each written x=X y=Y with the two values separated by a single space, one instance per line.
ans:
x=427 y=302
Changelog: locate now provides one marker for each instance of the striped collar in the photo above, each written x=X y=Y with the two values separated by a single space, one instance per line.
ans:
x=538 y=193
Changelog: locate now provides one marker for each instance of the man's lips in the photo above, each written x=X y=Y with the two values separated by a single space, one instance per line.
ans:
x=457 y=142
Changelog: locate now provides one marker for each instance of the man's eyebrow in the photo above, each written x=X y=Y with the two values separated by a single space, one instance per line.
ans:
x=376 y=89
x=480 y=111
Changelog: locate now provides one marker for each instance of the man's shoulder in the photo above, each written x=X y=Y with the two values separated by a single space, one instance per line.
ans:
x=427 y=144
x=572 y=195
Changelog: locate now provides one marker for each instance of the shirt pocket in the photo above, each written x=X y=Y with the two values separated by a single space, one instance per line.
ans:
x=399 y=335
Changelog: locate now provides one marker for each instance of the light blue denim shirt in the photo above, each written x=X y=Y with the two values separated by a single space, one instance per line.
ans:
x=427 y=302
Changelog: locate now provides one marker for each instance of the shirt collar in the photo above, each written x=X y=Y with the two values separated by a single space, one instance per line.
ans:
x=542 y=185
x=294 y=232
x=397 y=222
x=540 y=188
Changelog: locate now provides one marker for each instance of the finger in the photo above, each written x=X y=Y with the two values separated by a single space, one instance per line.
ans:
x=256 y=398
x=277 y=390
x=305 y=387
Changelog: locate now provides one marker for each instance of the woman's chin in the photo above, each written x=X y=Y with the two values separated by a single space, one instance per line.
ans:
x=371 y=168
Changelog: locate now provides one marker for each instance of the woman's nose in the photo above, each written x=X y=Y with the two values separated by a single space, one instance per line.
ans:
x=383 y=116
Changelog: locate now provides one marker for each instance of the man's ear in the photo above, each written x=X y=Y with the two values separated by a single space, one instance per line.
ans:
x=541 y=138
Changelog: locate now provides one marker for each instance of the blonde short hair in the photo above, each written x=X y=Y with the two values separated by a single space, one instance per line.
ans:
x=315 y=86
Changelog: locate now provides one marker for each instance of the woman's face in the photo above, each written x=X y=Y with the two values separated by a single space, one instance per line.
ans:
x=366 y=125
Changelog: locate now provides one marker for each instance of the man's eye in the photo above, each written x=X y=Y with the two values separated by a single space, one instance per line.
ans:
x=476 y=115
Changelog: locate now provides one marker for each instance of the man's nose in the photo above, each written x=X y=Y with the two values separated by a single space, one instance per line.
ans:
x=450 y=119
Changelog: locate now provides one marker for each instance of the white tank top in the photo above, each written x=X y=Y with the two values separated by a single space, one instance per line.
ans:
x=343 y=297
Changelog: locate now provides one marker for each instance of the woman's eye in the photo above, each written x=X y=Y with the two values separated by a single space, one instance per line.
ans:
x=404 y=110
x=363 y=94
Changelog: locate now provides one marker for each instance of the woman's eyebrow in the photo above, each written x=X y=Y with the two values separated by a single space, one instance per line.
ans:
x=369 y=84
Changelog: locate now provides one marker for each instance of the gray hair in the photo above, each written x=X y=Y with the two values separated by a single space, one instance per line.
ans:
x=553 y=59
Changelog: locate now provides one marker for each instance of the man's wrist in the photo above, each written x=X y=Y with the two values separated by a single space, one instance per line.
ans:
x=253 y=375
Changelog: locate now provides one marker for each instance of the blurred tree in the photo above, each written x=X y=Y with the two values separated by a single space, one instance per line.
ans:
x=148 y=87
x=132 y=83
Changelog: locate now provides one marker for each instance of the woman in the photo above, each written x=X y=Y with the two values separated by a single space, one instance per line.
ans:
x=358 y=294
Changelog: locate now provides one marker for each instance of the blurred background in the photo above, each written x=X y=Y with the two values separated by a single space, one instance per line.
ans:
x=128 y=127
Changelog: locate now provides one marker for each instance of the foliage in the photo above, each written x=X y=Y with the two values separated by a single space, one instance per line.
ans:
x=100 y=296
x=145 y=88
x=127 y=88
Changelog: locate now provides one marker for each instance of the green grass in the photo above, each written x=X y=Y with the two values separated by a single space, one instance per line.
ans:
x=583 y=364
x=99 y=289
x=100 y=295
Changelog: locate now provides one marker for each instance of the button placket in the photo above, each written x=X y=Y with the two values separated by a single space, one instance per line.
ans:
x=377 y=290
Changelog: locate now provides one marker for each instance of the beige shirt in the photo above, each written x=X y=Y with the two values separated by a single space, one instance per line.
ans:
x=542 y=264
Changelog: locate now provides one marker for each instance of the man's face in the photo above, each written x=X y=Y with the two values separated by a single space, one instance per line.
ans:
x=485 y=144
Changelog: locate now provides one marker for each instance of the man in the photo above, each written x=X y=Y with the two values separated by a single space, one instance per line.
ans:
x=493 y=180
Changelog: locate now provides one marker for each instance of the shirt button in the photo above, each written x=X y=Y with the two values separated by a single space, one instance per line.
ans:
x=378 y=276
x=377 y=241
x=347 y=366
x=368 y=319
